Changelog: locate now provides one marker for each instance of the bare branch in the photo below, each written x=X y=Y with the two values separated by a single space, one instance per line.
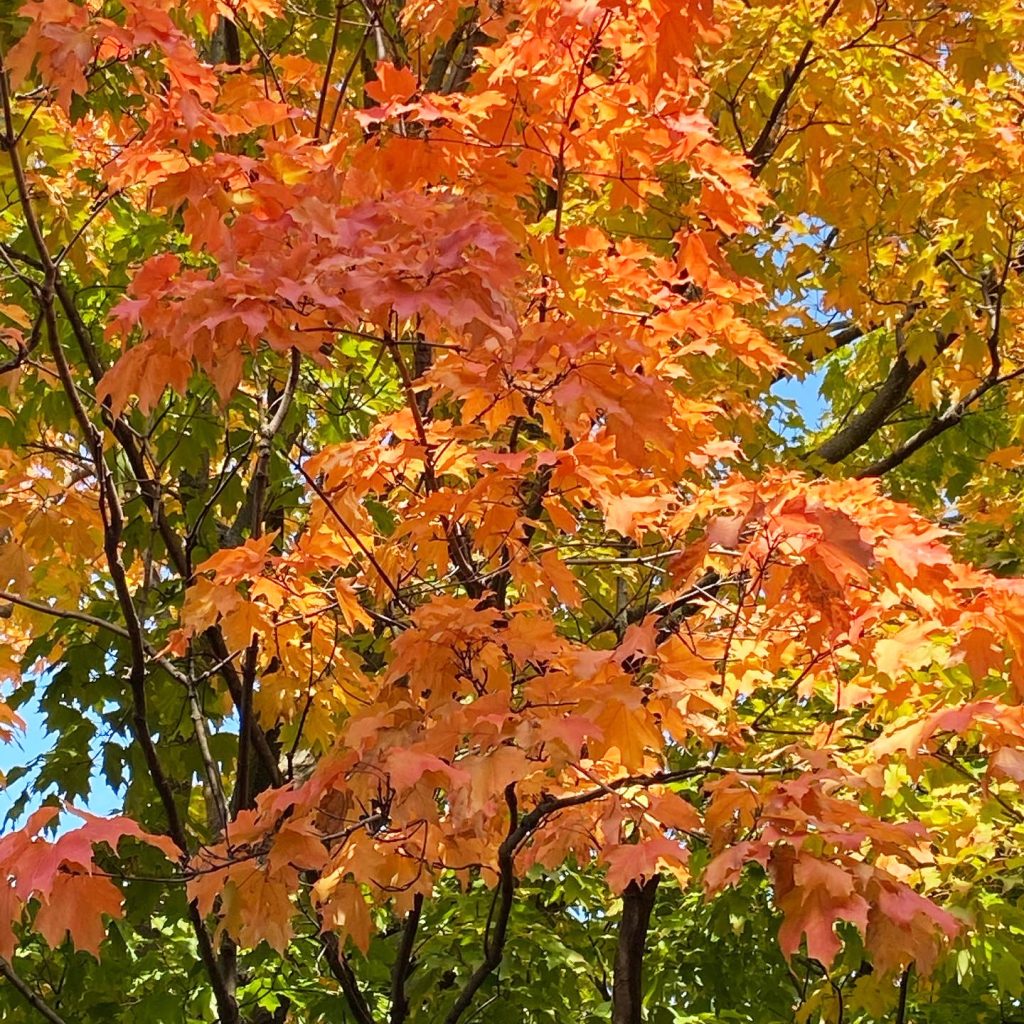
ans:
x=42 y=1008
x=113 y=525
x=404 y=963
x=277 y=412
x=371 y=558
x=497 y=931
x=888 y=398
x=342 y=970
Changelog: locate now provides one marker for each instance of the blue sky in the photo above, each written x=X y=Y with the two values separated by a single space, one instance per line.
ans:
x=31 y=744
x=807 y=395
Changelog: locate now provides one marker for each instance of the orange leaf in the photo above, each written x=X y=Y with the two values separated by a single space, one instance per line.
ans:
x=75 y=907
x=392 y=85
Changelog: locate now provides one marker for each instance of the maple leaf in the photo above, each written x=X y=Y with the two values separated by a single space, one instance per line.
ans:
x=489 y=774
x=297 y=845
x=10 y=911
x=346 y=911
x=675 y=812
x=110 y=830
x=256 y=907
x=814 y=895
x=905 y=928
x=242 y=623
x=629 y=730
x=724 y=868
x=906 y=649
x=60 y=40
x=407 y=767
x=391 y=84
x=253 y=904
x=914 y=549
x=636 y=862
x=38 y=872
x=74 y=906
x=1008 y=763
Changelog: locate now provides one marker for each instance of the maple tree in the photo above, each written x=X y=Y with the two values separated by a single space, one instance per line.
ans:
x=399 y=511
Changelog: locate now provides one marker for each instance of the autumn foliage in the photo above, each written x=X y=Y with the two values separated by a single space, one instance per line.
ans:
x=399 y=511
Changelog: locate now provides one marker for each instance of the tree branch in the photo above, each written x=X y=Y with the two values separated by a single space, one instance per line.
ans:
x=26 y=993
x=149 y=491
x=277 y=412
x=455 y=539
x=627 y=988
x=764 y=145
x=404 y=963
x=370 y=557
x=843 y=336
x=888 y=397
x=62 y=613
x=113 y=525
x=497 y=930
x=939 y=425
x=342 y=970
x=901 y=1009
x=328 y=69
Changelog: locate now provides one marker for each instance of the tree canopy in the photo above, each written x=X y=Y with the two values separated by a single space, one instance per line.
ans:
x=405 y=511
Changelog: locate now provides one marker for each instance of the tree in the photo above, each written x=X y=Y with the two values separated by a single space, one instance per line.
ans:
x=398 y=512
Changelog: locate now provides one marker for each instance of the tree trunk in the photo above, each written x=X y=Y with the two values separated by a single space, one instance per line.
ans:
x=627 y=988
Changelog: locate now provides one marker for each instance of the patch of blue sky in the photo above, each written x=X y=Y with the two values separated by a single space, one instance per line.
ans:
x=26 y=752
x=804 y=393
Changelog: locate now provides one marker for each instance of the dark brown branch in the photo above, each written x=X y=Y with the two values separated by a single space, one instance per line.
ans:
x=842 y=338
x=901 y=1009
x=994 y=291
x=497 y=930
x=61 y=613
x=939 y=425
x=458 y=549
x=342 y=971
x=150 y=492
x=26 y=993
x=277 y=412
x=113 y=525
x=328 y=69
x=232 y=43
x=213 y=778
x=671 y=612
x=521 y=827
x=370 y=557
x=404 y=963
x=357 y=59
x=149 y=488
x=764 y=145
x=225 y=661
x=627 y=987
x=862 y=427
x=890 y=394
